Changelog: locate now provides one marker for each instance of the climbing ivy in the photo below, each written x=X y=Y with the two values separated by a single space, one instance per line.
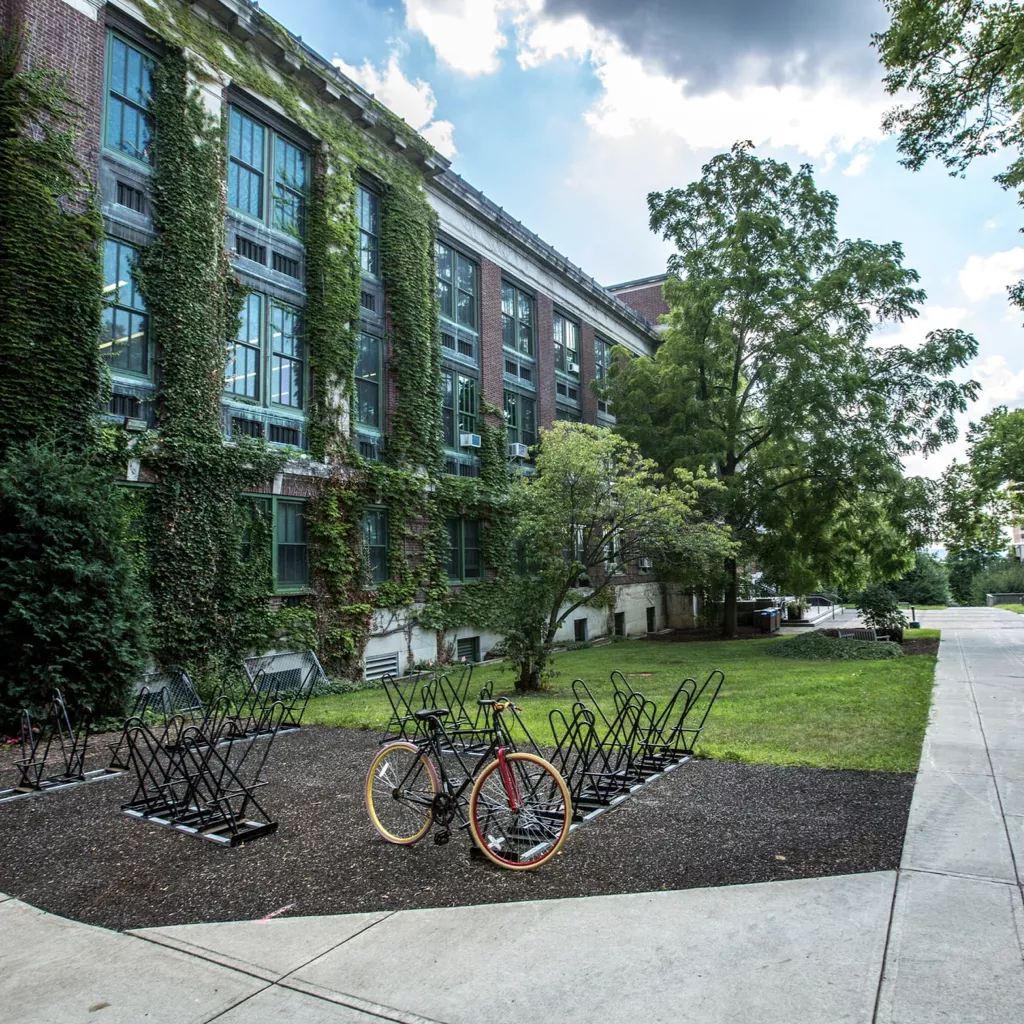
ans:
x=209 y=606
x=51 y=277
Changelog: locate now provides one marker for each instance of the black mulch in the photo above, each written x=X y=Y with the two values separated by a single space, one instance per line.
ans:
x=708 y=823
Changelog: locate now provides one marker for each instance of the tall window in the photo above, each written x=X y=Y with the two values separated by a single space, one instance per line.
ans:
x=252 y=146
x=368 y=213
x=129 y=90
x=369 y=377
x=567 y=343
x=124 y=342
x=289 y=187
x=375 y=544
x=458 y=406
x=456 y=286
x=516 y=320
x=291 y=544
x=286 y=356
x=243 y=369
x=520 y=418
x=602 y=364
x=464 y=549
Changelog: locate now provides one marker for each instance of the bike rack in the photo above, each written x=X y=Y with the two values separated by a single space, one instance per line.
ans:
x=200 y=777
x=289 y=679
x=162 y=697
x=605 y=756
x=37 y=742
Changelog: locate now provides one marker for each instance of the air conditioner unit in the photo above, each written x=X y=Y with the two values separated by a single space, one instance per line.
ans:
x=469 y=440
x=644 y=564
x=574 y=368
x=518 y=451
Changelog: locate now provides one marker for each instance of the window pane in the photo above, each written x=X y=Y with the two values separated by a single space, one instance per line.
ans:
x=525 y=339
x=525 y=309
x=124 y=341
x=118 y=66
x=508 y=331
x=508 y=300
x=467 y=405
x=368 y=411
x=291 y=544
x=368 y=374
x=368 y=366
x=128 y=128
x=467 y=275
x=454 y=568
x=467 y=310
x=444 y=298
x=444 y=262
x=368 y=261
x=471 y=567
x=448 y=407
x=528 y=432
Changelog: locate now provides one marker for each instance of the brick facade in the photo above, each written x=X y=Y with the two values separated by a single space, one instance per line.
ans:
x=492 y=385
x=647 y=299
x=545 y=351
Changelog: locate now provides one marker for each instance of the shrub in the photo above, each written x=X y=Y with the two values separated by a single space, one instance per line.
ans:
x=880 y=610
x=71 y=610
x=815 y=646
x=926 y=583
x=1005 y=576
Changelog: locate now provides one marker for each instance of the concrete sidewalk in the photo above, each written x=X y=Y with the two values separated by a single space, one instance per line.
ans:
x=938 y=941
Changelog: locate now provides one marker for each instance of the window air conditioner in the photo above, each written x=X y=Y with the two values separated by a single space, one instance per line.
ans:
x=644 y=564
x=518 y=451
x=574 y=368
x=469 y=440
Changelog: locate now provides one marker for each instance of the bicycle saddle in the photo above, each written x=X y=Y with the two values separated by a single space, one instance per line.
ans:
x=432 y=713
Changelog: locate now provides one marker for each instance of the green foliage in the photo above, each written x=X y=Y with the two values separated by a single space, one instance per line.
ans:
x=591 y=510
x=765 y=376
x=71 y=611
x=926 y=583
x=209 y=607
x=880 y=609
x=51 y=277
x=1005 y=576
x=962 y=65
x=816 y=646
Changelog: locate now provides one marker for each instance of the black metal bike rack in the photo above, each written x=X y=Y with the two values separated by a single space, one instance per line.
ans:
x=164 y=695
x=201 y=777
x=604 y=755
x=54 y=735
x=288 y=678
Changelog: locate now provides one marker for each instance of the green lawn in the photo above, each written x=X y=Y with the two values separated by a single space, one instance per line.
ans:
x=861 y=714
x=1018 y=608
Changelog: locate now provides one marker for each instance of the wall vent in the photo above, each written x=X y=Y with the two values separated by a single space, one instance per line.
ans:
x=247 y=249
x=286 y=265
x=131 y=197
x=380 y=665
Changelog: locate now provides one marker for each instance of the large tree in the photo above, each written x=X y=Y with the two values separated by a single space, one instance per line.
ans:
x=592 y=509
x=962 y=64
x=766 y=376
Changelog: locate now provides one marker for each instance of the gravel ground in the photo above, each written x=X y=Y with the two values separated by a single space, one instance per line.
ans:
x=708 y=823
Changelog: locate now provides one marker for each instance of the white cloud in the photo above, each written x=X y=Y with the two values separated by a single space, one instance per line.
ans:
x=1000 y=385
x=913 y=333
x=985 y=276
x=412 y=100
x=991 y=223
x=465 y=34
x=857 y=165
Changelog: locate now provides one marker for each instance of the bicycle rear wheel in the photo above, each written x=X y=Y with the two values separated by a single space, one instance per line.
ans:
x=400 y=789
x=528 y=837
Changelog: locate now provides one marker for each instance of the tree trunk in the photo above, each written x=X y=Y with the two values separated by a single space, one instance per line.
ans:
x=529 y=677
x=730 y=625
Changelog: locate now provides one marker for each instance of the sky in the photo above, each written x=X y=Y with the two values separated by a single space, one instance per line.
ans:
x=568 y=112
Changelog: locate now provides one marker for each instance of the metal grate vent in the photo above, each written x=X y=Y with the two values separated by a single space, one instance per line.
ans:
x=130 y=197
x=284 y=435
x=240 y=426
x=247 y=249
x=125 y=405
x=368 y=301
x=380 y=665
x=286 y=265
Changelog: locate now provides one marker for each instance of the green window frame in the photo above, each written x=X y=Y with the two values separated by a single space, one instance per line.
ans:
x=289 y=541
x=254 y=149
x=520 y=418
x=291 y=545
x=375 y=544
x=464 y=559
x=286 y=356
x=517 y=320
x=459 y=405
x=567 y=343
x=568 y=415
x=602 y=364
x=368 y=217
x=457 y=286
x=124 y=341
x=370 y=381
x=266 y=361
x=128 y=128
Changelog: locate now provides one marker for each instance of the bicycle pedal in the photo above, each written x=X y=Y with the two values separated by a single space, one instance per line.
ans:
x=441 y=838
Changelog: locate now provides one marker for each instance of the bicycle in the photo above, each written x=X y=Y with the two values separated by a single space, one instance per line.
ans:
x=518 y=812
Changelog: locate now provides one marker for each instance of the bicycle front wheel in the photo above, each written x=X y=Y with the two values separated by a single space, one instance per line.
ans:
x=400 y=789
x=528 y=837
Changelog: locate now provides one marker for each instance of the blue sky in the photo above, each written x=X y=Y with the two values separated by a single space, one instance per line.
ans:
x=568 y=112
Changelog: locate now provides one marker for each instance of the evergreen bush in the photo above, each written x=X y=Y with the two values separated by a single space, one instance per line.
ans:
x=71 y=609
x=880 y=609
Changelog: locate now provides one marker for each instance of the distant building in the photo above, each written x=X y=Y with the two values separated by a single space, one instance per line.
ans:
x=645 y=296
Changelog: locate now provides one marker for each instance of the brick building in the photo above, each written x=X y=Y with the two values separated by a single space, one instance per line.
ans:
x=521 y=327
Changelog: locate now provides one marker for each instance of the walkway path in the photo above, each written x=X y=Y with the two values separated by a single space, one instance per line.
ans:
x=938 y=941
